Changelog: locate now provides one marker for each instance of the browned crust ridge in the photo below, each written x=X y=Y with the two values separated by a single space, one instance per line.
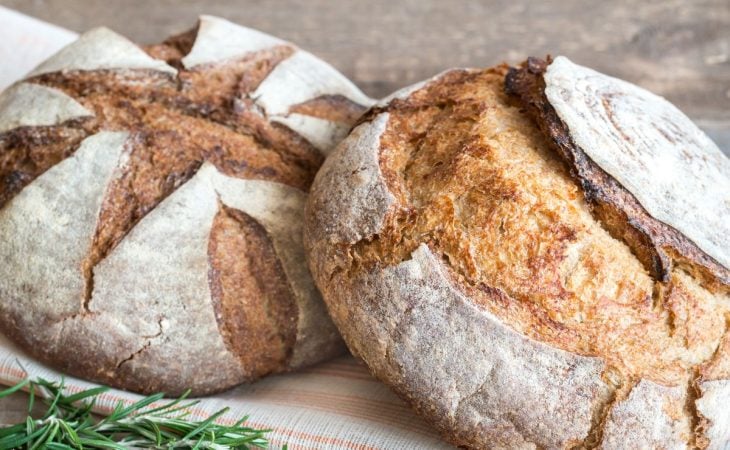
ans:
x=658 y=245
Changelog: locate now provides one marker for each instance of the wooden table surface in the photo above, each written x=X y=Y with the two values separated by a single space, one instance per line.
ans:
x=677 y=48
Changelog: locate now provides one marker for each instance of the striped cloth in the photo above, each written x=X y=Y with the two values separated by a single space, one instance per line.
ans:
x=337 y=404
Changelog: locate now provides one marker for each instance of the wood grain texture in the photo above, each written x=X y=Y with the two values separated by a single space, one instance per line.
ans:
x=15 y=408
x=676 y=48
x=679 y=49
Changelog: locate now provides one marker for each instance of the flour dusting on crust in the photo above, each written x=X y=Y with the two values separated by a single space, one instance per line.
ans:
x=218 y=40
x=28 y=105
x=672 y=168
x=99 y=49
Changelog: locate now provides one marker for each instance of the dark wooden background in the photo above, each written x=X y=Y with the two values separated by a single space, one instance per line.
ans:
x=677 y=48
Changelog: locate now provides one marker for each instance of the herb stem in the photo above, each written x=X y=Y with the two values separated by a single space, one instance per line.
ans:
x=68 y=424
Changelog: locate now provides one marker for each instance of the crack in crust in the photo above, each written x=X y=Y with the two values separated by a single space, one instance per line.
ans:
x=466 y=191
x=661 y=248
x=697 y=422
x=717 y=367
x=452 y=157
x=620 y=389
x=657 y=245
x=144 y=347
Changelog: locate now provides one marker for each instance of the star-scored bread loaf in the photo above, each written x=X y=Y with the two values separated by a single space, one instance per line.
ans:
x=151 y=205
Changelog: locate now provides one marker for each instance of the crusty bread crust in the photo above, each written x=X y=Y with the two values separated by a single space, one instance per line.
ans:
x=473 y=207
x=657 y=245
x=151 y=205
x=458 y=365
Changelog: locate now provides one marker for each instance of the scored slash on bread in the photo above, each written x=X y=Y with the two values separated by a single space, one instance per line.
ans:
x=461 y=255
x=592 y=119
x=151 y=207
x=657 y=183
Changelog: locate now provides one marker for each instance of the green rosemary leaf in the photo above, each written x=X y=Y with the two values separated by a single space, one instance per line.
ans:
x=58 y=446
x=170 y=406
x=102 y=443
x=139 y=405
x=119 y=406
x=46 y=432
x=240 y=422
x=69 y=424
x=71 y=434
x=158 y=434
x=205 y=424
x=16 y=388
x=56 y=392
x=54 y=431
x=29 y=425
x=13 y=441
x=85 y=394
x=143 y=431
x=31 y=398
x=16 y=439
x=12 y=430
x=114 y=444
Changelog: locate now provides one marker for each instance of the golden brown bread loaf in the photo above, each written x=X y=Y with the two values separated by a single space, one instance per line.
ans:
x=544 y=268
x=151 y=207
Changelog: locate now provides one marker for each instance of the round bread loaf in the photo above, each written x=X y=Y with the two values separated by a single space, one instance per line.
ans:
x=541 y=264
x=151 y=207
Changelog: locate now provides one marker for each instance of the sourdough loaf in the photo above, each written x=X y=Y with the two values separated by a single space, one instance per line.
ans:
x=151 y=205
x=536 y=264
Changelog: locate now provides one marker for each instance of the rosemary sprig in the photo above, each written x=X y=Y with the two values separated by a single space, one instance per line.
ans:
x=68 y=423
